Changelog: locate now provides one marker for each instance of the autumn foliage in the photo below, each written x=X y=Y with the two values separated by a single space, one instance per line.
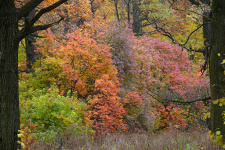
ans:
x=94 y=73
x=106 y=111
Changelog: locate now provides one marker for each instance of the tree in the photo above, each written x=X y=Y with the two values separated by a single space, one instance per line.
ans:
x=10 y=36
x=217 y=74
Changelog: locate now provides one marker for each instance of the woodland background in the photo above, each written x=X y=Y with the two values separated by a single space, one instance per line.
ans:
x=116 y=74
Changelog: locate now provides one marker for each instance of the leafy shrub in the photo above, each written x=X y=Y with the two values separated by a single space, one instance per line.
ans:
x=133 y=104
x=106 y=111
x=50 y=110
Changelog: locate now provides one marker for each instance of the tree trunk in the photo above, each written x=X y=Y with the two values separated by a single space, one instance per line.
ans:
x=9 y=43
x=207 y=31
x=29 y=40
x=217 y=76
x=207 y=27
x=136 y=17
x=117 y=11
x=128 y=11
x=9 y=97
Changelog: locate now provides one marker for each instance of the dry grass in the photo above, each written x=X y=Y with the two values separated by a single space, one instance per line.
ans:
x=167 y=140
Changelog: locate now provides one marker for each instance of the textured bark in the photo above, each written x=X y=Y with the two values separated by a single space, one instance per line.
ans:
x=9 y=41
x=29 y=40
x=207 y=31
x=136 y=17
x=9 y=99
x=217 y=77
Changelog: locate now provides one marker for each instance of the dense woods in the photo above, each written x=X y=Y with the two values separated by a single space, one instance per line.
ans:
x=98 y=70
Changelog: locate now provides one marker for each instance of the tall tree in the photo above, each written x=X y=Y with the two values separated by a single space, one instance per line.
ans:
x=10 y=35
x=9 y=110
x=217 y=68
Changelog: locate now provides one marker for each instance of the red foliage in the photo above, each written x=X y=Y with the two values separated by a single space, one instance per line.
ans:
x=168 y=66
x=132 y=102
x=168 y=74
x=106 y=111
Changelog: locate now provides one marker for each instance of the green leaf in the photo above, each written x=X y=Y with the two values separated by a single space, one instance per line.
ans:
x=217 y=132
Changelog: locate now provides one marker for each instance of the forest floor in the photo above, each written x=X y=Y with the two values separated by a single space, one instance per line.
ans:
x=166 y=140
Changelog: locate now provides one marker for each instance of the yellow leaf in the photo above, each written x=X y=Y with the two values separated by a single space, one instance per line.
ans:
x=223 y=146
x=220 y=104
x=223 y=61
x=215 y=101
x=19 y=135
x=23 y=145
x=218 y=54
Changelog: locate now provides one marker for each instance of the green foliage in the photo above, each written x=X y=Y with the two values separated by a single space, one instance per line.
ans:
x=51 y=110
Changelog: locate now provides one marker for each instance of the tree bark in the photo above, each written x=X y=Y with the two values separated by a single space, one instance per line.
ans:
x=207 y=26
x=207 y=31
x=136 y=17
x=117 y=10
x=217 y=76
x=128 y=11
x=9 y=99
x=29 y=40
x=9 y=43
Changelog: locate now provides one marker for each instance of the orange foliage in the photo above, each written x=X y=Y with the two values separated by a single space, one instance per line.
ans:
x=84 y=66
x=106 y=111
x=81 y=59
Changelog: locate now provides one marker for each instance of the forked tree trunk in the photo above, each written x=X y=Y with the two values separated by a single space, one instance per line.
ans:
x=9 y=101
x=217 y=76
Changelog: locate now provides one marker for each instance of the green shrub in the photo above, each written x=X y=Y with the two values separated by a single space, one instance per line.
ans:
x=49 y=109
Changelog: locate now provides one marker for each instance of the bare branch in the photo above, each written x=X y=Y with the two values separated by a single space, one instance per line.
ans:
x=30 y=29
x=38 y=28
x=181 y=10
x=171 y=37
x=41 y=12
x=28 y=7
x=180 y=102
x=193 y=33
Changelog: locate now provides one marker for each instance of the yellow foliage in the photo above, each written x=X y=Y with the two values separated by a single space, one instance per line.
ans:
x=216 y=101
x=211 y=135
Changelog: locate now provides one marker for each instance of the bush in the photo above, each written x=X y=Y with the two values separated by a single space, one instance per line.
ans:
x=46 y=112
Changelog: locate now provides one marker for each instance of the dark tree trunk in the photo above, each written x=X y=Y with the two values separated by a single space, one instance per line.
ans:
x=207 y=27
x=136 y=17
x=29 y=40
x=128 y=11
x=207 y=31
x=9 y=43
x=217 y=76
x=117 y=10
x=9 y=101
